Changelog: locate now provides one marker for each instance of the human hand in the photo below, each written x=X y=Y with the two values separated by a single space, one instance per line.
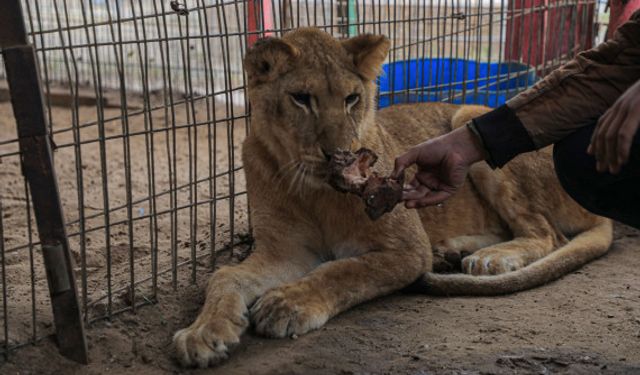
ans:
x=612 y=139
x=443 y=164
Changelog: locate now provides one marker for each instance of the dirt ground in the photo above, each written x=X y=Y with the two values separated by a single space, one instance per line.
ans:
x=587 y=322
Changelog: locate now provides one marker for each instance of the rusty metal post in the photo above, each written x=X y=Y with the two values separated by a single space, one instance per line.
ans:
x=37 y=166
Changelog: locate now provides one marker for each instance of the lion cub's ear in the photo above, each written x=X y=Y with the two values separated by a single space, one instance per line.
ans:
x=369 y=52
x=268 y=58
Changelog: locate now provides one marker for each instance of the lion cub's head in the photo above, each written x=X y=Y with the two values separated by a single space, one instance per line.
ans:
x=312 y=94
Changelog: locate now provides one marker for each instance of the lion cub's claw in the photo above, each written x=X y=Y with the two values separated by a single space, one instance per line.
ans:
x=492 y=263
x=278 y=314
x=205 y=345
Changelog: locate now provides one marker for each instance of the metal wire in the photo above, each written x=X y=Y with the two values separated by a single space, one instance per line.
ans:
x=147 y=108
x=5 y=304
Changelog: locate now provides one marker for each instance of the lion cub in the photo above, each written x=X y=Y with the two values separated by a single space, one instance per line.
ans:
x=317 y=254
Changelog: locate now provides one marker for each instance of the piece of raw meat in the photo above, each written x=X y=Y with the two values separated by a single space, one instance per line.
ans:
x=350 y=172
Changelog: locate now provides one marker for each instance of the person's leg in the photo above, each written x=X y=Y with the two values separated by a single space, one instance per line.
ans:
x=613 y=196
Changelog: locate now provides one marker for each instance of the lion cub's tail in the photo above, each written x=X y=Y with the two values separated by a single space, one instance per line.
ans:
x=583 y=248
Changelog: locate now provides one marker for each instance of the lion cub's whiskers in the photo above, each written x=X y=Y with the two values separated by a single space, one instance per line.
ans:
x=294 y=181
x=303 y=180
x=282 y=173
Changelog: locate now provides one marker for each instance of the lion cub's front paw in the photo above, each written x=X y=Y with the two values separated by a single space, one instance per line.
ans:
x=285 y=311
x=207 y=344
x=492 y=262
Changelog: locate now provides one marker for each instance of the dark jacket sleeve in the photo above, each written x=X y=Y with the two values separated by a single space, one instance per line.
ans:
x=572 y=96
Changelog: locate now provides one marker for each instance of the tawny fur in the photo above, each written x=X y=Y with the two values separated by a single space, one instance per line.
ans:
x=318 y=254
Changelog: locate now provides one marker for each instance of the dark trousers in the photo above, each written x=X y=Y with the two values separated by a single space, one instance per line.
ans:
x=614 y=196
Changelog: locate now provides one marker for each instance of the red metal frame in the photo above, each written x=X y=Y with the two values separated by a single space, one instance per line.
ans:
x=541 y=30
x=259 y=20
x=619 y=13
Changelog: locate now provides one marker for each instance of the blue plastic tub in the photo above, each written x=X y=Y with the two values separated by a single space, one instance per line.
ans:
x=453 y=80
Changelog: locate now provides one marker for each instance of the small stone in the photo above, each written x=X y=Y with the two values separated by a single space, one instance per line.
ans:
x=294 y=337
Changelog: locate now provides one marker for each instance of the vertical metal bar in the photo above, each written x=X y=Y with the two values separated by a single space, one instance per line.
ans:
x=489 y=54
x=143 y=61
x=32 y=271
x=253 y=16
x=524 y=28
x=406 y=50
x=500 y=49
x=420 y=50
x=37 y=164
x=447 y=16
x=192 y=139
x=285 y=19
x=478 y=52
x=392 y=55
x=230 y=124
x=45 y=66
x=315 y=13
x=331 y=18
x=5 y=303
x=211 y=130
x=352 y=19
x=307 y=14
x=171 y=150
x=98 y=110
x=108 y=249
x=76 y=132
x=561 y=33
x=126 y=144
x=104 y=172
x=153 y=208
x=430 y=59
x=530 y=30
x=273 y=25
x=324 y=14
x=436 y=78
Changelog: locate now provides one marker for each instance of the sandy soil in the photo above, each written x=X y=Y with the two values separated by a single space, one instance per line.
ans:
x=587 y=322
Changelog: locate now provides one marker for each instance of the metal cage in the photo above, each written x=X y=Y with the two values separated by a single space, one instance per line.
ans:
x=146 y=110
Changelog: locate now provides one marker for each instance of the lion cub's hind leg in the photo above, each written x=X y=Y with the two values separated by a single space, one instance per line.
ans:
x=448 y=254
x=507 y=256
x=521 y=194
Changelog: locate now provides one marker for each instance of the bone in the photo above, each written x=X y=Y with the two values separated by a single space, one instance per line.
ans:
x=351 y=172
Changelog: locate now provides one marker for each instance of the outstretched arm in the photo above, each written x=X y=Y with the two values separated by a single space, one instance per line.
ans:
x=575 y=95
x=572 y=96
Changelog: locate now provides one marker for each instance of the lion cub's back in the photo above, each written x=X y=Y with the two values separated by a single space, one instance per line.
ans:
x=410 y=124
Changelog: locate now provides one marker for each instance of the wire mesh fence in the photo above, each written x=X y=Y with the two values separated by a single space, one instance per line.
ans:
x=146 y=106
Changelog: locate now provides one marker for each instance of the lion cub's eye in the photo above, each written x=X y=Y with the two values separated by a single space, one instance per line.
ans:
x=301 y=99
x=352 y=99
